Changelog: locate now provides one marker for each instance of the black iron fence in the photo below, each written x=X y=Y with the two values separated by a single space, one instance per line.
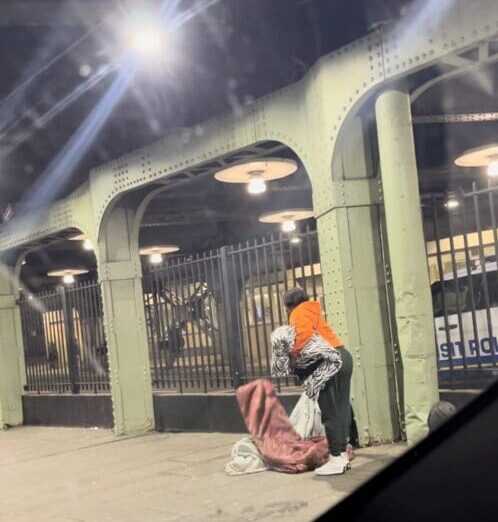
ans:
x=462 y=251
x=64 y=343
x=210 y=317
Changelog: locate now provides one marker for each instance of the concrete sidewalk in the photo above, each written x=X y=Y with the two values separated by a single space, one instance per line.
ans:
x=66 y=474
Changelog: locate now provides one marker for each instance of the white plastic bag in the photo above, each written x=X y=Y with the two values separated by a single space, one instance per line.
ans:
x=307 y=418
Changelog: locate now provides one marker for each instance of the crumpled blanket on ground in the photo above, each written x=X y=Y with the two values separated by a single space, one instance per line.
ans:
x=278 y=443
x=306 y=420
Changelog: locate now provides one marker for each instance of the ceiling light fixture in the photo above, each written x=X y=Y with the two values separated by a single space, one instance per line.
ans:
x=156 y=258
x=68 y=279
x=68 y=274
x=288 y=225
x=256 y=174
x=493 y=168
x=485 y=156
x=257 y=184
x=87 y=245
x=287 y=218
x=452 y=202
x=156 y=253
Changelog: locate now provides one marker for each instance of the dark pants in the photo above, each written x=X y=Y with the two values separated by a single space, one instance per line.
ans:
x=334 y=406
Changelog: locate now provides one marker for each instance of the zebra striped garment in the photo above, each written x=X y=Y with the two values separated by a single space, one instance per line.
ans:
x=317 y=349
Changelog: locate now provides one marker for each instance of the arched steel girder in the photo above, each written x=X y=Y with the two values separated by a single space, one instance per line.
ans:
x=307 y=116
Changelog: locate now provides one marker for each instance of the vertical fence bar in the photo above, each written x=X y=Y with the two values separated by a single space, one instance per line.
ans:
x=301 y=261
x=169 y=271
x=254 y=310
x=35 y=366
x=284 y=264
x=269 y=284
x=458 y=295
x=277 y=283
x=102 y=357
x=229 y=285
x=266 y=370
x=443 y=293
x=61 y=334
x=208 y=263
x=482 y=257
x=35 y=370
x=86 y=373
x=91 y=319
x=49 y=380
x=222 y=272
x=166 y=344
x=185 y=307
x=154 y=313
x=175 y=279
x=249 y=348
x=312 y=267
x=491 y=202
x=74 y=377
x=195 y=308
x=87 y=338
x=471 y=282
x=202 y=318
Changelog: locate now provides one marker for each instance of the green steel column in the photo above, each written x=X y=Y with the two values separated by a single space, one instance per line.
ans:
x=120 y=276
x=354 y=286
x=413 y=307
x=12 y=375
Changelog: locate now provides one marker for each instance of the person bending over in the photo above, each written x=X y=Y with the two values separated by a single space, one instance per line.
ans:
x=306 y=317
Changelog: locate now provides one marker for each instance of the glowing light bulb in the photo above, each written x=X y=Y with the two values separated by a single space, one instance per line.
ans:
x=493 y=168
x=68 y=279
x=296 y=240
x=156 y=258
x=146 y=39
x=256 y=185
x=87 y=245
x=288 y=225
x=452 y=204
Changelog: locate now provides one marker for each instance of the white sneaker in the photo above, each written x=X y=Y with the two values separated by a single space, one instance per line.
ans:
x=345 y=456
x=334 y=466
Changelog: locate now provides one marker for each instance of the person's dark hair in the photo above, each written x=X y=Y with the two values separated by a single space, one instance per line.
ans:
x=294 y=297
x=439 y=414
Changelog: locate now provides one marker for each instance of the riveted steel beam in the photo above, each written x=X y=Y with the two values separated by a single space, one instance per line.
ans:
x=471 y=117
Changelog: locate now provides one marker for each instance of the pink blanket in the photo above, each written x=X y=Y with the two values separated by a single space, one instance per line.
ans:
x=277 y=441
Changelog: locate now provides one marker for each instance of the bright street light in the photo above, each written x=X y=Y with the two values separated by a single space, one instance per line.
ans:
x=156 y=258
x=493 y=168
x=68 y=279
x=452 y=203
x=87 y=245
x=256 y=185
x=288 y=225
x=145 y=35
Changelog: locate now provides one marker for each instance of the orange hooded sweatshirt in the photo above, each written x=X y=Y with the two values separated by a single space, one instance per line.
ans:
x=307 y=319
